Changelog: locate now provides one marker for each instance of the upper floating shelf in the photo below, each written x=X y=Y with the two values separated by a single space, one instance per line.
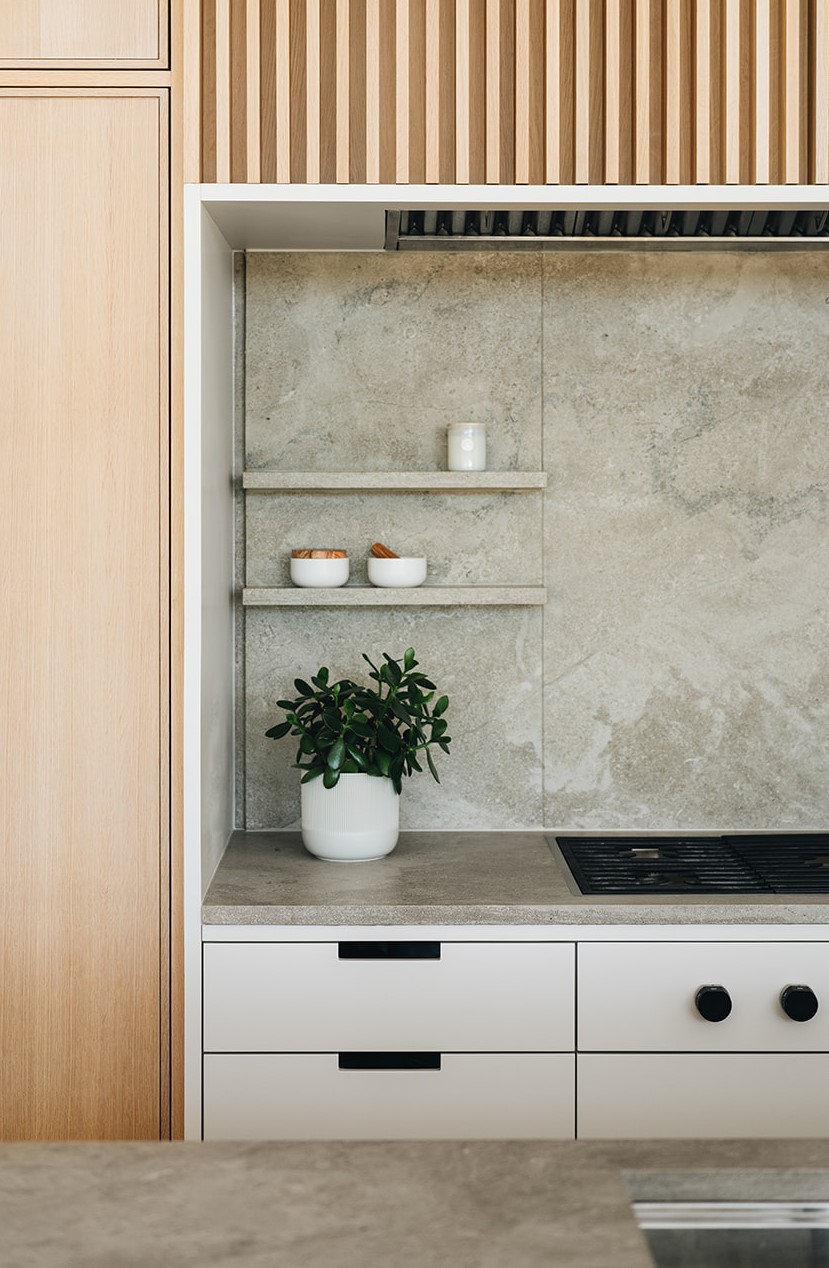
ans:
x=402 y=481
x=378 y=597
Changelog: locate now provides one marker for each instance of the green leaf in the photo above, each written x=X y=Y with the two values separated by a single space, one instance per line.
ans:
x=307 y=745
x=356 y=756
x=400 y=711
x=311 y=774
x=388 y=740
x=383 y=761
x=349 y=767
x=439 y=726
x=321 y=677
x=409 y=661
x=277 y=732
x=330 y=777
x=392 y=669
x=435 y=775
x=285 y=704
x=441 y=706
x=336 y=755
x=303 y=688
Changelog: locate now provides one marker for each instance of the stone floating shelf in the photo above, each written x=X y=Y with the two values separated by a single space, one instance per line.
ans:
x=376 y=597
x=401 y=481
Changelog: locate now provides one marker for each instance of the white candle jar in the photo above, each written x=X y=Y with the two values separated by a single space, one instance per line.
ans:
x=466 y=446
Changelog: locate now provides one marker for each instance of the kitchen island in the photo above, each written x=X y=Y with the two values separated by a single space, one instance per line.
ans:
x=402 y=1204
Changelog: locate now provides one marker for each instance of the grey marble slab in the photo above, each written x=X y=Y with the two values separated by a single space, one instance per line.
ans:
x=452 y=878
x=364 y=1205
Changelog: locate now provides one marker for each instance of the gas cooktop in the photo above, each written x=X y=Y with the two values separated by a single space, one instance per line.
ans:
x=764 y=863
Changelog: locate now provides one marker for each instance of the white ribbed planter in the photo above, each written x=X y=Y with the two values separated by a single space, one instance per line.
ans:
x=356 y=821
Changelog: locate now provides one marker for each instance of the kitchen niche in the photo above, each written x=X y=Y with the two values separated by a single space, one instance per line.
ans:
x=661 y=658
x=348 y=369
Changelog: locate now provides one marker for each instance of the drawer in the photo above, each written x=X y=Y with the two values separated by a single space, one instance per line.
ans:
x=306 y=1096
x=710 y=1095
x=641 y=998
x=302 y=997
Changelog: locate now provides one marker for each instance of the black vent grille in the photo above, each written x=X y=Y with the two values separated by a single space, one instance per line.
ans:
x=768 y=863
x=528 y=228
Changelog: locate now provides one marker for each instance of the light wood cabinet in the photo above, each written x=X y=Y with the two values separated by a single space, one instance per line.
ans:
x=83 y=661
x=83 y=32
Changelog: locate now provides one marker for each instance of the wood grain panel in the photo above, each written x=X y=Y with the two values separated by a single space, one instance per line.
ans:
x=82 y=801
x=83 y=32
x=516 y=91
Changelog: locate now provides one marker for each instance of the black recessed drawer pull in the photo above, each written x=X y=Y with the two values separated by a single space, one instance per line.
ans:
x=388 y=1060
x=389 y=950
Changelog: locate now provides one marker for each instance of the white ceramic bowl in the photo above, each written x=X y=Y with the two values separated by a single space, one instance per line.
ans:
x=406 y=571
x=319 y=573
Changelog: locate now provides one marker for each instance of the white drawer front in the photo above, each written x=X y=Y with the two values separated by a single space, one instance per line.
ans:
x=641 y=998
x=711 y=1095
x=300 y=997
x=265 y=1096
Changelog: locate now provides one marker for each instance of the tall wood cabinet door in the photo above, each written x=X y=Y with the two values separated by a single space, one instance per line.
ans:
x=83 y=841
x=121 y=33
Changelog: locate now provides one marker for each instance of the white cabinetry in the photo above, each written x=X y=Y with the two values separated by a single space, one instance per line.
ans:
x=309 y=1038
x=389 y=1039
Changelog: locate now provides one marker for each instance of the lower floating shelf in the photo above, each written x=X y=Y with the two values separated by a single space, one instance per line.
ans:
x=375 y=597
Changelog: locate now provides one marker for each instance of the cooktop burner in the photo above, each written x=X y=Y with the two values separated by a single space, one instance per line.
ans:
x=765 y=863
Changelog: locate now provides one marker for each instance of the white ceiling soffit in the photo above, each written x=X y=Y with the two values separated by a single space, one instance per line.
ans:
x=353 y=217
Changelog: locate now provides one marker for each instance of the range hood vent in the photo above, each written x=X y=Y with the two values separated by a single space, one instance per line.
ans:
x=531 y=229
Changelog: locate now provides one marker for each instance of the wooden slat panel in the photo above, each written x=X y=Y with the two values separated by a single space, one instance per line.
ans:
x=298 y=105
x=357 y=92
x=417 y=91
x=238 y=91
x=820 y=110
x=762 y=91
x=525 y=91
x=254 y=93
x=342 y=124
x=493 y=91
x=552 y=88
x=401 y=54
x=372 y=91
x=446 y=89
x=432 y=91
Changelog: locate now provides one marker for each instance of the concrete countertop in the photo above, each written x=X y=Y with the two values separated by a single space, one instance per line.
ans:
x=454 y=878
x=486 y=1204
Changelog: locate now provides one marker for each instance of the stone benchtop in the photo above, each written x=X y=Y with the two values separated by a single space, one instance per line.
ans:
x=454 y=878
x=486 y=1204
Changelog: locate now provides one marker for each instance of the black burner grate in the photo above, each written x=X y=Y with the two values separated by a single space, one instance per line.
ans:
x=766 y=863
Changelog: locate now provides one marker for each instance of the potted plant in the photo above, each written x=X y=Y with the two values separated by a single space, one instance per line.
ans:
x=356 y=745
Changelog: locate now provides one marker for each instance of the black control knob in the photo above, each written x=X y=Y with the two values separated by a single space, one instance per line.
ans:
x=799 y=1002
x=713 y=1003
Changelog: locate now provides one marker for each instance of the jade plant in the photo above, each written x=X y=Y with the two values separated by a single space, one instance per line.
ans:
x=347 y=729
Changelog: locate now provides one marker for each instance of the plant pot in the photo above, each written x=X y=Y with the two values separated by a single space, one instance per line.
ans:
x=355 y=821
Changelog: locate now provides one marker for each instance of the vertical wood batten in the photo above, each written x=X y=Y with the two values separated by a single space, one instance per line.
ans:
x=283 y=92
x=462 y=83
x=493 y=91
x=612 y=91
x=299 y=91
x=432 y=92
x=582 y=111
x=254 y=93
x=673 y=89
x=731 y=120
x=820 y=123
x=373 y=91
x=238 y=91
x=762 y=91
x=342 y=119
x=791 y=93
x=312 y=92
x=401 y=54
x=357 y=92
x=222 y=91
x=522 y=92
x=642 y=97
x=552 y=93
x=702 y=93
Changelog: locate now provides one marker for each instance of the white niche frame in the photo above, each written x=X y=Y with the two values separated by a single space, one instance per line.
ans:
x=221 y=219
